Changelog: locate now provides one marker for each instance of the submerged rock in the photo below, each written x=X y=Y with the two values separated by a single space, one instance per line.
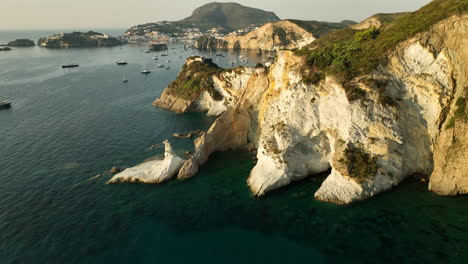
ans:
x=154 y=171
x=115 y=169
x=188 y=134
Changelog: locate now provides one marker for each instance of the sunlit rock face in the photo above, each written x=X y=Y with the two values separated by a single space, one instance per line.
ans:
x=369 y=146
x=155 y=171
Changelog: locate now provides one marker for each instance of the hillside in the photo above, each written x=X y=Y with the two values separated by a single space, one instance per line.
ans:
x=349 y=52
x=230 y=16
x=226 y=17
x=379 y=20
x=320 y=28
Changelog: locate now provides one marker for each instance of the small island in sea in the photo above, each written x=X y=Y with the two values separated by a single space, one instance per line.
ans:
x=79 y=40
x=21 y=43
x=158 y=47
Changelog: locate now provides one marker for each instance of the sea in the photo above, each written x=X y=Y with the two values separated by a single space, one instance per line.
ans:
x=68 y=127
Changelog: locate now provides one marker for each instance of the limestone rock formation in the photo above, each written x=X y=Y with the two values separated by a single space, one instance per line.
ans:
x=371 y=128
x=155 y=171
x=286 y=34
x=204 y=87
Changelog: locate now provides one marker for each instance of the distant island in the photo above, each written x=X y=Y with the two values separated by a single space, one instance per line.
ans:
x=21 y=43
x=158 y=47
x=79 y=40
x=216 y=19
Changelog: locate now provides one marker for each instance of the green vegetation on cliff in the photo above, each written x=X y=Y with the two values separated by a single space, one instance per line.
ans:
x=319 y=28
x=460 y=113
x=361 y=165
x=230 y=16
x=194 y=79
x=348 y=53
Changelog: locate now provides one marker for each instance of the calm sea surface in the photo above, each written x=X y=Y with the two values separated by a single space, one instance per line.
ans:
x=67 y=126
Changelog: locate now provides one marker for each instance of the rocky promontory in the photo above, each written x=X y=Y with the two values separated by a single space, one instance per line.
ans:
x=79 y=40
x=154 y=171
x=372 y=106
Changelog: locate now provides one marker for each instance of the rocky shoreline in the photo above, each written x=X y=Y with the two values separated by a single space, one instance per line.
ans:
x=406 y=117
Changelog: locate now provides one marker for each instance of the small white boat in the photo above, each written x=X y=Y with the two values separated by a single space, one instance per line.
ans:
x=160 y=66
x=146 y=71
x=155 y=58
x=5 y=104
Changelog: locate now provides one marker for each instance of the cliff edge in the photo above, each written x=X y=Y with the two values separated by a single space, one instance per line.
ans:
x=373 y=105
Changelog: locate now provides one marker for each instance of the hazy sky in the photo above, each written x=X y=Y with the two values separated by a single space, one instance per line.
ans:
x=56 y=14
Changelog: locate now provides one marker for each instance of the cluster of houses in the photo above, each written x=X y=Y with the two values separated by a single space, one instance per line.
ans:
x=148 y=34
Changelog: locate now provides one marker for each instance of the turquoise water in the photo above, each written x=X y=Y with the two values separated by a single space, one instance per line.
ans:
x=67 y=126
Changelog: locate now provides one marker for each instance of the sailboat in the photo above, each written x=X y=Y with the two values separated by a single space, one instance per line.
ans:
x=124 y=79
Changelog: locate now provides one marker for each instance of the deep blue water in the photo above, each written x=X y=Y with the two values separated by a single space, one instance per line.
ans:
x=67 y=126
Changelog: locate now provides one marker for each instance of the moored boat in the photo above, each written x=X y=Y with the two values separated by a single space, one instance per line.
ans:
x=70 y=66
x=5 y=104
x=122 y=63
x=146 y=71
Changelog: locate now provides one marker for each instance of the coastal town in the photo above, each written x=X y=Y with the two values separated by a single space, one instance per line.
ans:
x=166 y=32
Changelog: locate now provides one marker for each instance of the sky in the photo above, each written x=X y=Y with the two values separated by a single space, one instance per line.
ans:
x=79 y=14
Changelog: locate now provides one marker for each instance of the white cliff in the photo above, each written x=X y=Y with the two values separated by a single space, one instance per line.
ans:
x=370 y=146
x=154 y=171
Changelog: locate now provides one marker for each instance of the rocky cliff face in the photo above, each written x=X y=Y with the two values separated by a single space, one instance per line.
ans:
x=409 y=118
x=284 y=34
x=204 y=87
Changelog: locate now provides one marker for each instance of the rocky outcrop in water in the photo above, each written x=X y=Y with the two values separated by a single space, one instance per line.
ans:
x=154 y=171
x=21 y=43
x=158 y=47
